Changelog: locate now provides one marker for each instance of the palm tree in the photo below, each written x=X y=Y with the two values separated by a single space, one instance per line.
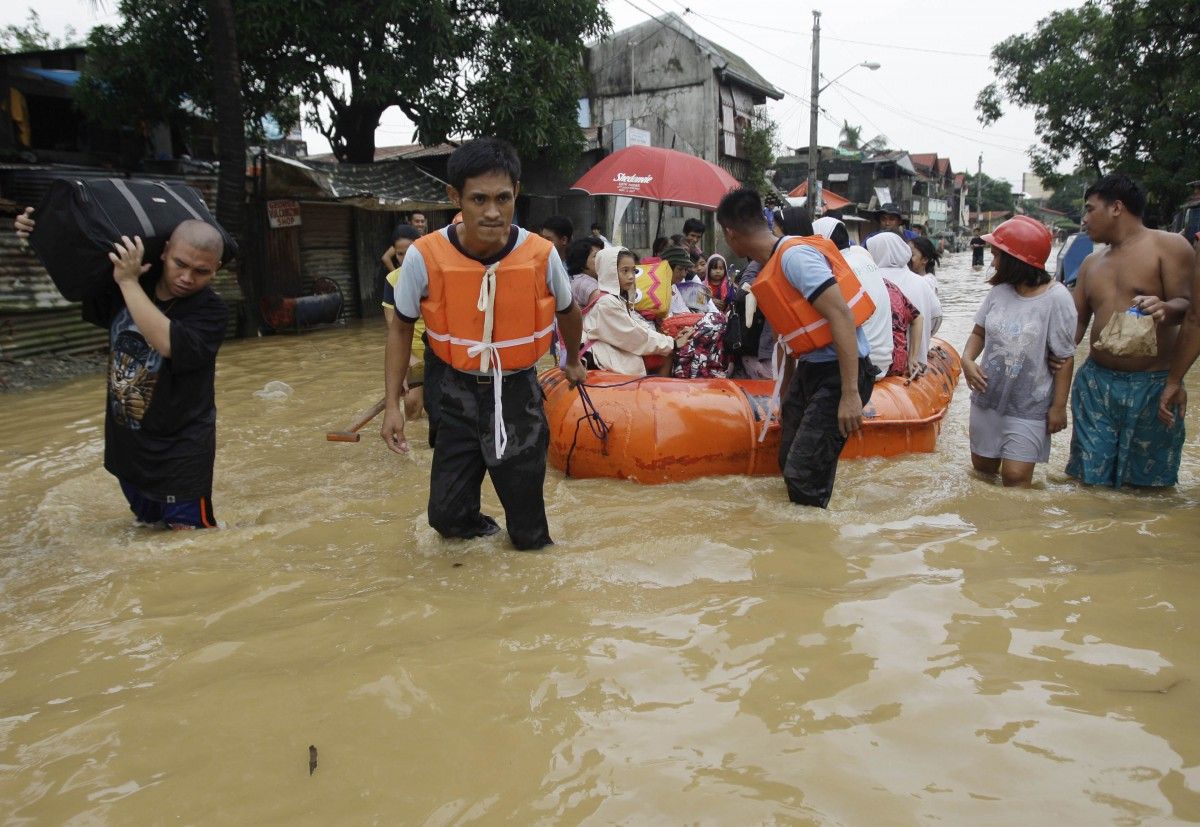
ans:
x=850 y=135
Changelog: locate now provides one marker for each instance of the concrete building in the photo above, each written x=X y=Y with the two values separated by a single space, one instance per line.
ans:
x=662 y=83
x=1035 y=191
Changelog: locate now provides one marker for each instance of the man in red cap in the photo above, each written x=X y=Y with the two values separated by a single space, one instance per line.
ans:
x=1117 y=438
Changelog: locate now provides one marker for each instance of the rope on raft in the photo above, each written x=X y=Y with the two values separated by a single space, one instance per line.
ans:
x=596 y=424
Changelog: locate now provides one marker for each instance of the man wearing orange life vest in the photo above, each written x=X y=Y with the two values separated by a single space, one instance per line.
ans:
x=489 y=293
x=817 y=307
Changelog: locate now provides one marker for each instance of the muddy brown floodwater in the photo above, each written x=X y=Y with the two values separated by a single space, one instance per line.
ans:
x=932 y=648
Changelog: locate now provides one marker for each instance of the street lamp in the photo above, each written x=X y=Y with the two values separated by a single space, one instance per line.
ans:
x=811 y=199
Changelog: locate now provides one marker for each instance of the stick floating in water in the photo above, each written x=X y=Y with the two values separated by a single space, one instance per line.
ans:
x=351 y=434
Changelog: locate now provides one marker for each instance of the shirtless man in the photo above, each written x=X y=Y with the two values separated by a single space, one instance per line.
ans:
x=1117 y=437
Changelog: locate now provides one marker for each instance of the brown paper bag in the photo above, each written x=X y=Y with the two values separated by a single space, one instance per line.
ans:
x=1127 y=334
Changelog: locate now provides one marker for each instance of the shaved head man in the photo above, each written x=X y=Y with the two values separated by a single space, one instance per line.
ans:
x=165 y=327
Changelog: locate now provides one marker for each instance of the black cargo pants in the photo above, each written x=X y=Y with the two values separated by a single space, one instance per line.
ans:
x=465 y=450
x=810 y=441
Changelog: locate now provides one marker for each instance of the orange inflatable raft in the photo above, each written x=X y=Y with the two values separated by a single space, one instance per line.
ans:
x=670 y=430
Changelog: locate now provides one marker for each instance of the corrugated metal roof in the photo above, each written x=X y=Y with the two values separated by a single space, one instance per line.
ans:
x=408 y=152
x=387 y=185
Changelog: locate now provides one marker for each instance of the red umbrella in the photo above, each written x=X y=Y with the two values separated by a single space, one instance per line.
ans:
x=658 y=174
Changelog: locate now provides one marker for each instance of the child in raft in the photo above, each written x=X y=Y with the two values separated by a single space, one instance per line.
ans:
x=720 y=286
x=1016 y=401
x=615 y=335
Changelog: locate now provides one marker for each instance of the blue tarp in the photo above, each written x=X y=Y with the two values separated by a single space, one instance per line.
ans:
x=1077 y=248
x=65 y=77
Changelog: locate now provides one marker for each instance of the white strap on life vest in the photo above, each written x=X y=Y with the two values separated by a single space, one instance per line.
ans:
x=487 y=306
x=489 y=354
x=808 y=328
x=486 y=351
x=778 y=360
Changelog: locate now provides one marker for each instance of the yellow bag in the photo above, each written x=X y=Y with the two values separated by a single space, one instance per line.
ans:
x=654 y=288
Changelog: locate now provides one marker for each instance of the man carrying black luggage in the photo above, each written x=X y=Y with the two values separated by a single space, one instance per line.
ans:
x=164 y=331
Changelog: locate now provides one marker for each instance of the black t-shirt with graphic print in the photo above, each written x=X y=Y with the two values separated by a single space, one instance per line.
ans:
x=160 y=425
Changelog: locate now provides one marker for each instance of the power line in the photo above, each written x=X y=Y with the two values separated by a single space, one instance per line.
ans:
x=930 y=124
x=757 y=47
x=920 y=49
x=879 y=132
x=771 y=28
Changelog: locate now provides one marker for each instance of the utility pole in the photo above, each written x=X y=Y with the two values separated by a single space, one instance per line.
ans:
x=632 y=87
x=810 y=203
x=979 y=193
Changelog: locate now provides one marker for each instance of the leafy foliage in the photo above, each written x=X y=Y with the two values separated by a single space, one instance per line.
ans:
x=759 y=139
x=997 y=193
x=33 y=36
x=851 y=136
x=1068 y=193
x=1112 y=83
x=503 y=67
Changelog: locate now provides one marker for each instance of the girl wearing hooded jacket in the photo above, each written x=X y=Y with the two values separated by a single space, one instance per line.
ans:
x=617 y=337
x=892 y=254
x=716 y=272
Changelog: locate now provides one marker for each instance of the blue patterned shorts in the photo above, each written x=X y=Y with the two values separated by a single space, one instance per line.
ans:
x=1116 y=438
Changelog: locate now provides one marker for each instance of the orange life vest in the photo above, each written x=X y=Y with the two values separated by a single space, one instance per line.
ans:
x=795 y=320
x=455 y=310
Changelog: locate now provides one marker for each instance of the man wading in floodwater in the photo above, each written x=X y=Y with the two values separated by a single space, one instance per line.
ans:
x=1117 y=438
x=817 y=306
x=160 y=424
x=489 y=293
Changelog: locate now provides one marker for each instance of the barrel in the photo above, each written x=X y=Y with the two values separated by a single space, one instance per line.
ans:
x=324 y=306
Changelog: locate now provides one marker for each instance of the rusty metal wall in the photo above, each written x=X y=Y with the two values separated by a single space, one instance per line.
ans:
x=23 y=335
x=26 y=186
x=25 y=285
x=34 y=318
x=327 y=250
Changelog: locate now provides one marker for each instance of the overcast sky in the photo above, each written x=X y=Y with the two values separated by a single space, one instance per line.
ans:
x=933 y=55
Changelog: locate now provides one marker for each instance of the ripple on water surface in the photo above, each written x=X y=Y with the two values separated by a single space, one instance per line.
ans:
x=931 y=647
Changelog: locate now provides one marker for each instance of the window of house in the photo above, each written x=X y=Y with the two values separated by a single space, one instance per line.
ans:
x=635 y=225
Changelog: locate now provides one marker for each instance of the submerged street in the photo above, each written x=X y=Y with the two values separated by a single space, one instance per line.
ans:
x=932 y=647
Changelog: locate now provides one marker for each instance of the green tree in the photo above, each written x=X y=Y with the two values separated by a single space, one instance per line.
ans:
x=997 y=193
x=1112 y=84
x=877 y=144
x=503 y=67
x=1068 y=193
x=227 y=104
x=851 y=136
x=33 y=37
x=759 y=139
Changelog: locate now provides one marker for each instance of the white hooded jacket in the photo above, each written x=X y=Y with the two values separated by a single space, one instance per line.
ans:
x=619 y=336
x=892 y=254
x=878 y=328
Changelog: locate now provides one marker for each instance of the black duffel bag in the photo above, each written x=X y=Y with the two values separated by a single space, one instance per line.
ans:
x=78 y=221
